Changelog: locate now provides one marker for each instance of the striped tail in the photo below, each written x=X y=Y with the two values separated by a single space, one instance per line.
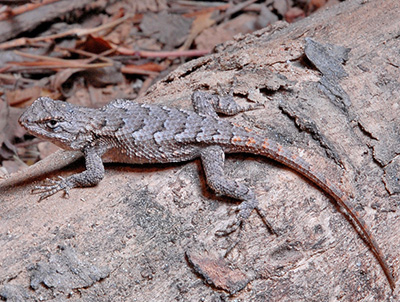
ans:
x=263 y=146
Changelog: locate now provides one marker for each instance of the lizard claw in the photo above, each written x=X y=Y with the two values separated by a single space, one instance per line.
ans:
x=233 y=210
x=242 y=212
x=51 y=187
x=231 y=228
x=235 y=226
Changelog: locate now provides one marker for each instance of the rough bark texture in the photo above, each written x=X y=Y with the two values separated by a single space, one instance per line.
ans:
x=146 y=233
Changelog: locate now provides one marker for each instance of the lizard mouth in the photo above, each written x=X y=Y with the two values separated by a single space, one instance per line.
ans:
x=23 y=121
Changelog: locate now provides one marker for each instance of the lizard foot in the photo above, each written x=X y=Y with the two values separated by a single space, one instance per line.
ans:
x=242 y=214
x=51 y=187
x=238 y=225
x=231 y=228
x=247 y=207
x=235 y=227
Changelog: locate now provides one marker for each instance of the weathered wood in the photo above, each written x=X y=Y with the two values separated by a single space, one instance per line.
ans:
x=148 y=232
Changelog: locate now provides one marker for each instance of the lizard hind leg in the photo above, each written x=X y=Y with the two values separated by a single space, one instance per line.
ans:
x=213 y=158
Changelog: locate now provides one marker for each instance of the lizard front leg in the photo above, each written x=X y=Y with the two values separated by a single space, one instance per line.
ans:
x=93 y=174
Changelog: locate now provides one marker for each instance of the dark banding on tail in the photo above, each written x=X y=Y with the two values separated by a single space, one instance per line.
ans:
x=275 y=151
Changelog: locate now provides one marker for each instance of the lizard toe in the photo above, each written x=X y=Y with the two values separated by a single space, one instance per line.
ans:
x=51 y=187
x=231 y=228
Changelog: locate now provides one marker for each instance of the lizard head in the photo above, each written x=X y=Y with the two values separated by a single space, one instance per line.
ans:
x=57 y=121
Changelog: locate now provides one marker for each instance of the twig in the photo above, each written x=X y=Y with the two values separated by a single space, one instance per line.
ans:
x=162 y=54
x=24 y=8
x=234 y=10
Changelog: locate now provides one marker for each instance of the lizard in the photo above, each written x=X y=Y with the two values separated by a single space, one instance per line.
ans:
x=125 y=131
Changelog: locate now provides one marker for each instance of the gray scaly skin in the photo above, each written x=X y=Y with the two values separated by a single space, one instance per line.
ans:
x=128 y=132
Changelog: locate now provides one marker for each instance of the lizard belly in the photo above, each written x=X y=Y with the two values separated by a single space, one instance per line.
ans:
x=151 y=153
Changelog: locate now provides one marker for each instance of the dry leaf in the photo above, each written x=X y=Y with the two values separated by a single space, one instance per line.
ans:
x=169 y=29
x=95 y=45
x=27 y=95
x=9 y=129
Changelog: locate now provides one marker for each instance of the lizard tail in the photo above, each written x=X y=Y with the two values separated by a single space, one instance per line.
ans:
x=275 y=151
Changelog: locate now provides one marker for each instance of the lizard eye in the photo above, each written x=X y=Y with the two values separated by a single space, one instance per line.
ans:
x=52 y=124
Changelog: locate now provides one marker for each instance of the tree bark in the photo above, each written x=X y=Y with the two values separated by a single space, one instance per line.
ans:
x=330 y=85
